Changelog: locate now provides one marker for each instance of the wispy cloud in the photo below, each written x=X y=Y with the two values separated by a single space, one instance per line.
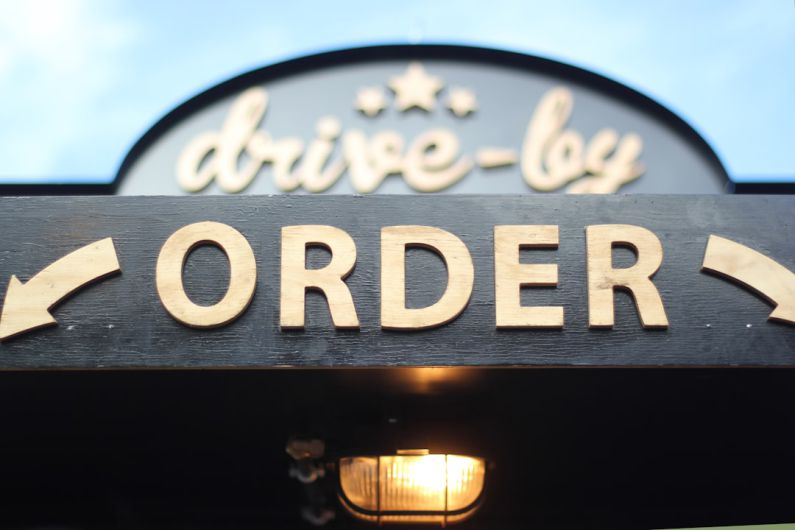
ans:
x=58 y=60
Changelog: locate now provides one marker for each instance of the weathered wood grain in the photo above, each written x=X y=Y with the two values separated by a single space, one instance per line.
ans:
x=120 y=322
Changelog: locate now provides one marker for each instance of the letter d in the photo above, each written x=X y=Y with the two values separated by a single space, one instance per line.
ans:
x=460 y=277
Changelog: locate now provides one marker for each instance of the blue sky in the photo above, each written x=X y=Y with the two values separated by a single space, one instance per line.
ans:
x=81 y=79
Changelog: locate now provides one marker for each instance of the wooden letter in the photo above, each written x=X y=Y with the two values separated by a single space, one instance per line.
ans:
x=460 y=277
x=242 y=274
x=510 y=276
x=215 y=154
x=330 y=280
x=431 y=163
x=603 y=278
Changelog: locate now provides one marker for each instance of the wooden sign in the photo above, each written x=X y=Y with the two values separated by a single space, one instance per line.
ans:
x=383 y=281
x=420 y=119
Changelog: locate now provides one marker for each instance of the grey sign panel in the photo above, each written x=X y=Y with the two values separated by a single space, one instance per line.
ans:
x=120 y=322
x=513 y=123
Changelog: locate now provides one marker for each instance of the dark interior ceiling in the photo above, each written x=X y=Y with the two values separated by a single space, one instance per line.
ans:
x=572 y=448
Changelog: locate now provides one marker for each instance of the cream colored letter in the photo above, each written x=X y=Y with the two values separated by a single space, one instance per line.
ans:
x=603 y=278
x=460 y=277
x=510 y=276
x=330 y=280
x=431 y=163
x=242 y=274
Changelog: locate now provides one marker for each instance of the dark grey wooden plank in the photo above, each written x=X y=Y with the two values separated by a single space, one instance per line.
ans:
x=120 y=322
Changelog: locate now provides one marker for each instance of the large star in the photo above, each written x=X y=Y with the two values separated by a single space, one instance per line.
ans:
x=415 y=88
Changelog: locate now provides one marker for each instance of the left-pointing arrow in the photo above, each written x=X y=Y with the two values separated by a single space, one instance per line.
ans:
x=27 y=306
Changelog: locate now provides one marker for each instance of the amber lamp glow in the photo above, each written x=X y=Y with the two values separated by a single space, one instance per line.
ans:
x=412 y=486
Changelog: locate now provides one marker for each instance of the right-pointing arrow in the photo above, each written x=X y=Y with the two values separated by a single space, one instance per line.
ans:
x=763 y=275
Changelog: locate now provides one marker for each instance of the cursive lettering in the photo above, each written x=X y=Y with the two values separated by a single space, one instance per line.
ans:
x=552 y=156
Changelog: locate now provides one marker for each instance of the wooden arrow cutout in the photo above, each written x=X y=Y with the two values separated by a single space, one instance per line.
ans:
x=27 y=306
x=761 y=274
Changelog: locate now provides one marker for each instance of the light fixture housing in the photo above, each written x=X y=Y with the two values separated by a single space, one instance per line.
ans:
x=412 y=486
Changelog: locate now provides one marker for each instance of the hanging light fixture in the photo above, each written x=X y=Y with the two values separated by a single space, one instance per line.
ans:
x=412 y=486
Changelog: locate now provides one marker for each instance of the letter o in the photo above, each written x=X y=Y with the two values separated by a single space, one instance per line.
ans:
x=242 y=277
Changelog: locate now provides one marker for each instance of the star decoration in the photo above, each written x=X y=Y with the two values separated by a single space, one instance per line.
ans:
x=415 y=88
x=370 y=100
x=462 y=101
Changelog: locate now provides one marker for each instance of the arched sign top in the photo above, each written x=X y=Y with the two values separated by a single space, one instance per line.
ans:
x=420 y=119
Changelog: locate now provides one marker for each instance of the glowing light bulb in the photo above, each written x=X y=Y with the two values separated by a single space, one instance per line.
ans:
x=412 y=487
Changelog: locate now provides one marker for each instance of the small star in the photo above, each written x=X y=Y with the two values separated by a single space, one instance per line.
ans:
x=415 y=88
x=370 y=100
x=462 y=101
